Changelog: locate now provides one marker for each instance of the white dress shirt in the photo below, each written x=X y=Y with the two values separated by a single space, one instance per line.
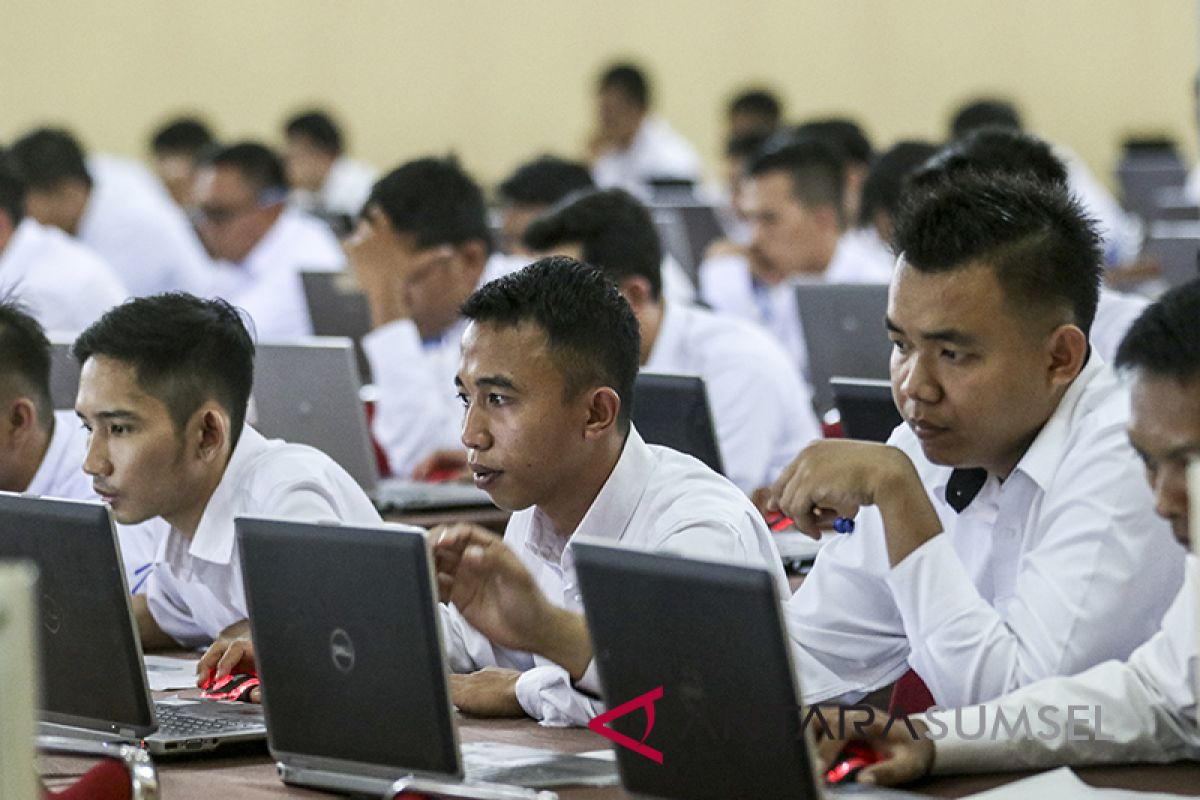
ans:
x=761 y=409
x=1115 y=312
x=655 y=499
x=61 y=475
x=345 y=190
x=267 y=282
x=677 y=287
x=861 y=257
x=1147 y=705
x=64 y=285
x=1031 y=580
x=416 y=409
x=195 y=591
x=656 y=151
x=141 y=233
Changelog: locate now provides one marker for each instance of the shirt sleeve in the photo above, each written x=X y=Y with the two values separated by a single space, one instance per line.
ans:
x=546 y=694
x=416 y=412
x=171 y=612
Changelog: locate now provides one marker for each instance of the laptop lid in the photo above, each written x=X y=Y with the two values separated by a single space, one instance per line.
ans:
x=711 y=637
x=306 y=391
x=338 y=307
x=866 y=408
x=1176 y=245
x=673 y=411
x=844 y=332
x=93 y=676
x=64 y=371
x=348 y=646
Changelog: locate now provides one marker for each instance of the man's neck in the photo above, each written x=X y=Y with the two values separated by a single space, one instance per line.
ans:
x=650 y=321
x=34 y=455
x=585 y=486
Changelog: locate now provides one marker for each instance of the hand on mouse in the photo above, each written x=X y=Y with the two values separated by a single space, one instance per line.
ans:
x=231 y=653
x=902 y=757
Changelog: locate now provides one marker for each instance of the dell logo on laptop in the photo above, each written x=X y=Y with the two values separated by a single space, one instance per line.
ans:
x=342 y=650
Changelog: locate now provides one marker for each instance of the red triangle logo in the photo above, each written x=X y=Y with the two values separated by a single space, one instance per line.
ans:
x=599 y=724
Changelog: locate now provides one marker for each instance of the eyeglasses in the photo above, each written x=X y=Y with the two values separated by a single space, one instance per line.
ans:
x=216 y=216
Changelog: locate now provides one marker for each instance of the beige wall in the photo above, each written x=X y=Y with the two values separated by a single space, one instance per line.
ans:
x=499 y=81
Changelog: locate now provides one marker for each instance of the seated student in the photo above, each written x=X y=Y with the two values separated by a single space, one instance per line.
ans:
x=857 y=153
x=324 y=181
x=64 y=285
x=761 y=409
x=41 y=450
x=419 y=250
x=1005 y=150
x=1010 y=521
x=548 y=364
x=178 y=147
x=1149 y=702
x=260 y=246
x=163 y=391
x=753 y=111
x=117 y=210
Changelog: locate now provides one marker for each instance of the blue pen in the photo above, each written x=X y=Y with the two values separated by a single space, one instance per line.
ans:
x=141 y=573
x=843 y=525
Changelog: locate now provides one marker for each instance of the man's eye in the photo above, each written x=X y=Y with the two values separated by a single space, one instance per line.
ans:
x=951 y=355
x=117 y=430
x=497 y=399
x=462 y=398
x=899 y=345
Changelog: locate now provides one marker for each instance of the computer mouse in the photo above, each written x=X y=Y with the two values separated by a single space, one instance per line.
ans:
x=853 y=758
x=231 y=687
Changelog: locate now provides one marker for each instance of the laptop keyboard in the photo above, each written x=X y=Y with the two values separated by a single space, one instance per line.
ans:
x=176 y=721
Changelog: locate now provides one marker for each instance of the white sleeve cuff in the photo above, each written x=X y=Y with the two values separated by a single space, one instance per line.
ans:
x=546 y=694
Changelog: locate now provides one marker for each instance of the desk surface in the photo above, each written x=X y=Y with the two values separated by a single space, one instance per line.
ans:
x=253 y=776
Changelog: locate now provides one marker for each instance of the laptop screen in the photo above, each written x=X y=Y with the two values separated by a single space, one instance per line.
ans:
x=844 y=333
x=346 y=641
x=711 y=638
x=92 y=672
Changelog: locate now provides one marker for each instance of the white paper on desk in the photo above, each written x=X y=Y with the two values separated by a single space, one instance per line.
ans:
x=1063 y=784
x=167 y=673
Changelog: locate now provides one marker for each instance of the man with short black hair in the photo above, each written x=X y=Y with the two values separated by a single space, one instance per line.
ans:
x=63 y=285
x=178 y=147
x=857 y=153
x=323 y=180
x=886 y=184
x=260 y=246
x=163 y=391
x=631 y=148
x=1009 y=519
x=759 y=429
x=117 y=210
x=531 y=189
x=753 y=112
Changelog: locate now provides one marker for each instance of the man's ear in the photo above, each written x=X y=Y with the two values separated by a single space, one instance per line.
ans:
x=637 y=292
x=211 y=432
x=473 y=256
x=604 y=405
x=1067 y=350
x=21 y=417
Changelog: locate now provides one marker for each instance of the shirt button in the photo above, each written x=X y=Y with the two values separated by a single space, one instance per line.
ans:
x=578 y=598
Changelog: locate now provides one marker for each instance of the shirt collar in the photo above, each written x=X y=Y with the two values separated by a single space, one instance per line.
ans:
x=215 y=534
x=66 y=427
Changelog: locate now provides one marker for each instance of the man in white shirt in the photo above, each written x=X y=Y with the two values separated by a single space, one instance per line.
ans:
x=62 y=284
x=420 y=248
x=178 y=146
x=163 y=391
x=1006 y=517
x=128 y=221
x=631 y=148
x=41 y=450
x=761 y=409
x=1146 y=705
x=259 y=245
x=323 y=180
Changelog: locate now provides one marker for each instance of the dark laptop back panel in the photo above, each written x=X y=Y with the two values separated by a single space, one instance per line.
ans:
x=346 y=643
x=338 y=307
x=866 y=408
x=844 y=333
x=710 y=636
x=92 y=671
x=1176 y=245
x=64 y=374
x=673 y=411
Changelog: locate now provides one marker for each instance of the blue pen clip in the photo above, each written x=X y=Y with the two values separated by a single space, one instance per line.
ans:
x=843 y=525
x=141 y=574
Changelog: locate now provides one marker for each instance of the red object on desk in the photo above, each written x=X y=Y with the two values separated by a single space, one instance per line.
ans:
x=910 y=695
x=850 y=762
x=108 y=780
x=385 y=469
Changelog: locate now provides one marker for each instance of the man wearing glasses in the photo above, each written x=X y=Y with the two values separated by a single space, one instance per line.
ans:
x=259 y=246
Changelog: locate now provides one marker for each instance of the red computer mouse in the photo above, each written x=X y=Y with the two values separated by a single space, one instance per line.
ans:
x=854 y=757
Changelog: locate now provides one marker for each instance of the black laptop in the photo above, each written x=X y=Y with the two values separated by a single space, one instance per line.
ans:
x=673 y=411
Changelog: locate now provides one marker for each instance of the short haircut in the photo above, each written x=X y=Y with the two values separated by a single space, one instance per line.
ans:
x=1042 y=246
x=48 y=157
x=885 y=185
x=259 y=166
x=12 y=188
x=544 y=181
x=1165 y=340
x=187 y=135
x=434 y=200
x=746 y=146
x=759 y=102
x=817 y=170
x=995 y=150
x=985 y=112
x=615 y=231
x=184 y=350
x=591 y=332
x=318 y=128
x=25 y=356
x=844 y=134
x=629 y=80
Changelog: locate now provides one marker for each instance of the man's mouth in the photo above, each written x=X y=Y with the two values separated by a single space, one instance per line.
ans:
x=485 y=477
x=924 y=430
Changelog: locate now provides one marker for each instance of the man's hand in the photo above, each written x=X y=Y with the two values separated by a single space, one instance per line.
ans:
x=493 y=590
x=835 y=477
x=443 y=465
x=231 y=654
x=905 y=758
x=490 y=692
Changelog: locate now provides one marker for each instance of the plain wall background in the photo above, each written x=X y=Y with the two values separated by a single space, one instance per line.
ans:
x=498 y=82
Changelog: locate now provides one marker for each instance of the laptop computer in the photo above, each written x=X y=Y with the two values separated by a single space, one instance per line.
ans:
x=64 y=371
x=93 y=678
x=726 y=717
x=338 y=307
x=844 y=332
x=866 y=408
x=1176 y=245
x=307 y=391
x=354 y=682
x=673 y=411
x=19 y=679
